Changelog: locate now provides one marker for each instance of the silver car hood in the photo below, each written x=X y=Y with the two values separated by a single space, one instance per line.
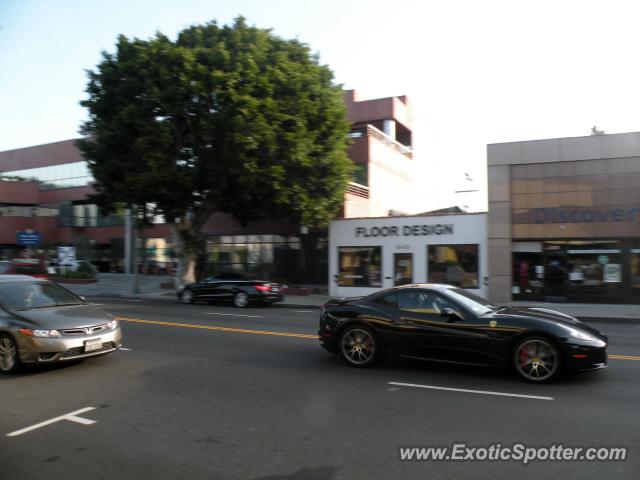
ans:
x=72 y=316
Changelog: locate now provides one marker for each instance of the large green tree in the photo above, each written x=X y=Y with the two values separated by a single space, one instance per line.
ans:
x=230 y=118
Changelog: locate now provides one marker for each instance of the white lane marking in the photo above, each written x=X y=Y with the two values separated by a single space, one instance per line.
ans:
x=98 y=304
x=464 y=390
x=233 y=315
x=303 y=311
x=125 y=349
x=72 y=417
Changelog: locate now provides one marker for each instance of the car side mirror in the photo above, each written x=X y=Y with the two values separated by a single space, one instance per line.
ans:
x=450 y=314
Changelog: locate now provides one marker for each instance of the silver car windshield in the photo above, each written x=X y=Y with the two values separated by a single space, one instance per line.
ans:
x=27 y=295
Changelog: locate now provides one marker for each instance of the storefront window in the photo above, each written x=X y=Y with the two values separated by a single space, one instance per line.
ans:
x=528 y=274
x=360 y=266
x=453 y=264
x=594 y=268
x=635 y=269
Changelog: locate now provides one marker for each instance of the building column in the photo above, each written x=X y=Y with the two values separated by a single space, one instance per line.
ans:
x=499 y=233
x=389 y=128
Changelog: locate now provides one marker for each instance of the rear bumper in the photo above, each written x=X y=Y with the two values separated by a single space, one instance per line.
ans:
x=270 y=298
x=50 y=350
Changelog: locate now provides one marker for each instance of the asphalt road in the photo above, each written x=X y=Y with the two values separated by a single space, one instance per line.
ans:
x=210 y=392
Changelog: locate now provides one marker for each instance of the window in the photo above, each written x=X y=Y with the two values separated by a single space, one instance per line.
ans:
x=359 y=266
x=635 y=269
x=422 y=302
x=76 y=174
x=26 y=295
x=453 y=264
x=415 y=302
x=388 y=300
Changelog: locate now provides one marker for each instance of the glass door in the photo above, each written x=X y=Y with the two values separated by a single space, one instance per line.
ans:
x=402 y=268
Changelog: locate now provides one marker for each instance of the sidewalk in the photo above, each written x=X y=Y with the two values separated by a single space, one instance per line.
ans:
x=121 y=285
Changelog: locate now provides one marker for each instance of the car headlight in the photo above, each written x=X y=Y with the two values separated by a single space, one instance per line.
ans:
x=580 y=335
x=113 y=324
x=40 y=333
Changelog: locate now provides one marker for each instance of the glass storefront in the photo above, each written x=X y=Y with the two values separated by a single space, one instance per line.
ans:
x=360 y=266
x=576 y=270
x=453 y=265
x=288 y=259
x=634 y=263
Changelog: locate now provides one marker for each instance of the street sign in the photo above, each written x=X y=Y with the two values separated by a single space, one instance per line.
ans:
x=28 y=238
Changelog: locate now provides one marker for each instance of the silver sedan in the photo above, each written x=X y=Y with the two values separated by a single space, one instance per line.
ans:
x=41 y=322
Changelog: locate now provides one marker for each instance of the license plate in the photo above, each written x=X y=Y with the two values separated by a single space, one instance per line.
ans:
x=275 y=289
x=93 y=345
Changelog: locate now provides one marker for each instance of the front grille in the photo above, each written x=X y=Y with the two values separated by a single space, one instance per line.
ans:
x=77 y=351
x=84 y=331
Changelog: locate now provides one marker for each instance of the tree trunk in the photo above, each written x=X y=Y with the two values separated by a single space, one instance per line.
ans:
x=134 y=256
x=185 y=250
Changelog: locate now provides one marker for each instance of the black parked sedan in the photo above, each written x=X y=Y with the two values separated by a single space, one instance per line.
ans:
x=240 y=289
x=449 y=324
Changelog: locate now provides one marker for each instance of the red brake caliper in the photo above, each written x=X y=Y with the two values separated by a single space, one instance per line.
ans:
x=524 y=356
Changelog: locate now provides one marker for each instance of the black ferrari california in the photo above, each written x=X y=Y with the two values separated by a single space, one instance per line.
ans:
x=449 y=324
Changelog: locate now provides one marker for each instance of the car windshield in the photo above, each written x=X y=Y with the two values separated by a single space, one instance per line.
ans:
x=476 y=304
x=27 y=295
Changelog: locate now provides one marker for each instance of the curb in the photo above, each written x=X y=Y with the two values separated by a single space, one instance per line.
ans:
x=302 y=306
x=296 y=305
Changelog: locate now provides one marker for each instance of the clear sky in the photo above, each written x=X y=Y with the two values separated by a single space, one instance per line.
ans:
x=478 y=72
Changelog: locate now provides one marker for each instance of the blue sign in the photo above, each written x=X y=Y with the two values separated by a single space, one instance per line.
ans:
x=28 y=238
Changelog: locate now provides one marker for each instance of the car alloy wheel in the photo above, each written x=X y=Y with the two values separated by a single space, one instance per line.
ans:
x=241 y=299
x=358 y=346
x=8 y=354
x=187 y=296
x=536 y=359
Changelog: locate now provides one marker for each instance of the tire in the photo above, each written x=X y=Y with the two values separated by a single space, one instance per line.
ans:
x=187 y=296
x=241 y=300
x=9 y=357
x=537 y=359
x=358 y=346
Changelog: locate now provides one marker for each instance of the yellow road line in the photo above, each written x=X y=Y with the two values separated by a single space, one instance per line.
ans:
x=221 y=329
x=624 y=357
x=275 y=334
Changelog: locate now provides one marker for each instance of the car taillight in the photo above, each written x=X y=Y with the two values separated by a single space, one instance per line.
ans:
x=262 y=288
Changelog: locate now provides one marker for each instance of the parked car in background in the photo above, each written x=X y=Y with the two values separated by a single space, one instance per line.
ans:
x=22 y=267
x=42 y=322
x=239 y=288
x=78 y=265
